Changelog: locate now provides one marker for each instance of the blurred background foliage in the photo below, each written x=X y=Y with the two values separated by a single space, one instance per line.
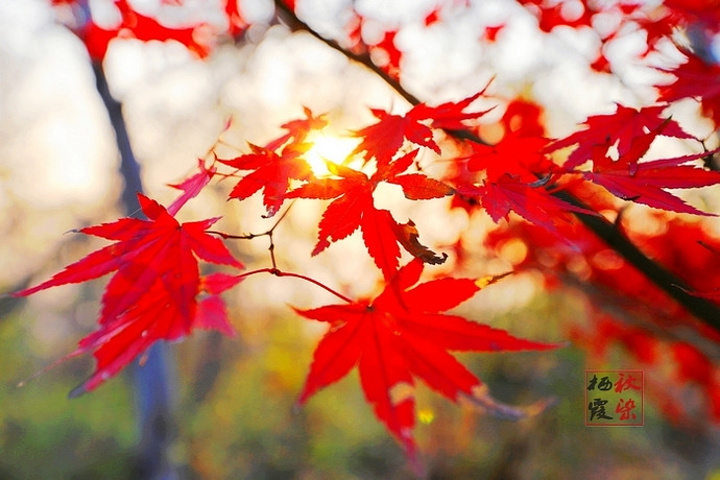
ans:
x=236 y=417
x=235 y=408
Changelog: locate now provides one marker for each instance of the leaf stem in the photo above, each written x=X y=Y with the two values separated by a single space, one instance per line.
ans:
x=274 y=270
x=250 y=236
x=228 y=236
x=280 y=273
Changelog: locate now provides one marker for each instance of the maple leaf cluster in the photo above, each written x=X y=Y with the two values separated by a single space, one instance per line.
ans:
x=626 y=308
x=157 y=292
x=610 y=152
x=533 y=186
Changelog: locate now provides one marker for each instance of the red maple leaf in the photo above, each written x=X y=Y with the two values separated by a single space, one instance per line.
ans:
x=645 y=182
x=531 y=201
x=646 y=185
x=520 y=157
x=383 y=139
x=271 y=173
x=192 y=186
x=154 y=292
x=298 y=130
x=402 y=335
x=695 y=79
x=416 y=186
x=353 y=207
x=516 y=174
x=620 y=129
x=449 y=115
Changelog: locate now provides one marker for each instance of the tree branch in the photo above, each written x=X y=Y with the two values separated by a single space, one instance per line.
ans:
x=677 y=289
x=363 y=58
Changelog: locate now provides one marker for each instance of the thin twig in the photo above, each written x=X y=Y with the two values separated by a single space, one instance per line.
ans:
x=228 y=236
x=250 y=236
x=274 y=269
x=280 y=273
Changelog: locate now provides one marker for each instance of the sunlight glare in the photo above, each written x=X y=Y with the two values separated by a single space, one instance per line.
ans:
x=328 y=148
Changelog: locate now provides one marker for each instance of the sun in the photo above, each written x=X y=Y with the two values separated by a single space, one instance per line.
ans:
x=327 y=147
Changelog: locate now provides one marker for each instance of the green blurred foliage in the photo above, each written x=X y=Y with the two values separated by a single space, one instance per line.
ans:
x=236 y=416
x=43 y=435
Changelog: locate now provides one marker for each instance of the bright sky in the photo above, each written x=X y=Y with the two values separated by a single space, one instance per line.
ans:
x=49 y=143
x=57 y=140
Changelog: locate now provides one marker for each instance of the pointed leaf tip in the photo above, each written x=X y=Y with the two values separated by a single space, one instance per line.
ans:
x=78 y=391
x=483 y=282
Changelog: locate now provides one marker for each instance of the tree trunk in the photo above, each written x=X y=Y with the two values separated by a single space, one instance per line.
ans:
x=153 y=377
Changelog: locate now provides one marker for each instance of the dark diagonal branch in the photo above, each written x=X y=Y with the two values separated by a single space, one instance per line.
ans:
x=288 y=15
x=676 y=288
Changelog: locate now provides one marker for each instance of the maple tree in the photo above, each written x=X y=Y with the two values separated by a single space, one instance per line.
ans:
x=563 y=199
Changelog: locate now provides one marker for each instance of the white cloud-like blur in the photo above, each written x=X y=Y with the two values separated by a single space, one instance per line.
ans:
x=57 y=150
